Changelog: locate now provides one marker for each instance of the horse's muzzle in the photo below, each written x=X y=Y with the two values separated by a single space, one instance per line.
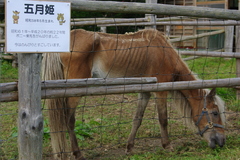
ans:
x=216 y=139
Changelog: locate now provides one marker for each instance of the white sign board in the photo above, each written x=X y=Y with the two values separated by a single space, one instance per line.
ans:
x=37 y=26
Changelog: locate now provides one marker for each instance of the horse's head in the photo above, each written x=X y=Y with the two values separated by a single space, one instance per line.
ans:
x=211 y=119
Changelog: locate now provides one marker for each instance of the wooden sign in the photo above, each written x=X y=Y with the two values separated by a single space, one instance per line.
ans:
x=37 y=26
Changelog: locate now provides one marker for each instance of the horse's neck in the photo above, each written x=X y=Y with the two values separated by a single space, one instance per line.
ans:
x=194 y=96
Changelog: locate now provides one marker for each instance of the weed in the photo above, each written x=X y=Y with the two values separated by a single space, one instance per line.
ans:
x=14 y=132
x=85 y=130
x=46 y=130
x=234 y=105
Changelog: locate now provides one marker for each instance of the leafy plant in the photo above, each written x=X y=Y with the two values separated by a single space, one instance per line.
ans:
x=14 y=132
x=46 y=130
x=85 y=130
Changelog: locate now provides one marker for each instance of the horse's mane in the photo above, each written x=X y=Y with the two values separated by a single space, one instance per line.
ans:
x=147 y=34
x=183 y=106
x=221 y=108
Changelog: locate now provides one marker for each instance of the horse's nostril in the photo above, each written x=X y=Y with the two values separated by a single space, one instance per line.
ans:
x=221 y=143
x=220 y=139
x=212 y=142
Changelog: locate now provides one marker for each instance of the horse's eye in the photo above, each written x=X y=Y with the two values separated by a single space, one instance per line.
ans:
x=215 y=113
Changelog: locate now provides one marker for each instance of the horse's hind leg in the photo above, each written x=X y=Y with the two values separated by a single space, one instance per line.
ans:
x=70 y=118
x=161 y=102
x=143 y=99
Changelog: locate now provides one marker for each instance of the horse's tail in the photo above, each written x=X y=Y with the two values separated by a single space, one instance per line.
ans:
x=52 y=69
x=183 y=107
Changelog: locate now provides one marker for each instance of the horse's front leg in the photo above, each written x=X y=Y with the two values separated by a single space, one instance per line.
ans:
x=143 y=99
x=70 y=116
x=161 y=103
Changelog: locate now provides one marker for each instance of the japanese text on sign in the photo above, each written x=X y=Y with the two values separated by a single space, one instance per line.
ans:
x=37 y=26
x=39 y=9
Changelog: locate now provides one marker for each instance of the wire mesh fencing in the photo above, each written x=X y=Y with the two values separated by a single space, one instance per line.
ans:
x=103 y=122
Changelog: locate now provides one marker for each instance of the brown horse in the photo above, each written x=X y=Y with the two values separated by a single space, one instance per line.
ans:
x=145 y=53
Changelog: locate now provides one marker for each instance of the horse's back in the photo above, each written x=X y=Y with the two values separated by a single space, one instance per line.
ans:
x=144 y=53
x=136 y=54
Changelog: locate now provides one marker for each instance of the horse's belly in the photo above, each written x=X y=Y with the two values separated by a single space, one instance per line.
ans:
x=99 y=71
x=114 y=72
x=122 y=65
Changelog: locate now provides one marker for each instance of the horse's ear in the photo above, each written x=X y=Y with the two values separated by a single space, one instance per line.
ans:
x=212 y=93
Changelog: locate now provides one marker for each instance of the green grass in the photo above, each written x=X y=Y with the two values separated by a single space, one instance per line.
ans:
x=217 y=68
x=195 y=151
x=104 y=123
x=213 y=68
x=7 y=72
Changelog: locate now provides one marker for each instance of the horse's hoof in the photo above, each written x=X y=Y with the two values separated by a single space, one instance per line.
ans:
x=129 y=149
x=128 y=152
x=169 y=148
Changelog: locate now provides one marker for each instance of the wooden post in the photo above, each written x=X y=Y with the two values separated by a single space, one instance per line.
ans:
x=151 y=17
x=1 y=38
x=237 y=40
x=30 y=119
x=15 y=60
x=237 y=45
x=168 y=31
x=104 y=29
x=228 y=42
